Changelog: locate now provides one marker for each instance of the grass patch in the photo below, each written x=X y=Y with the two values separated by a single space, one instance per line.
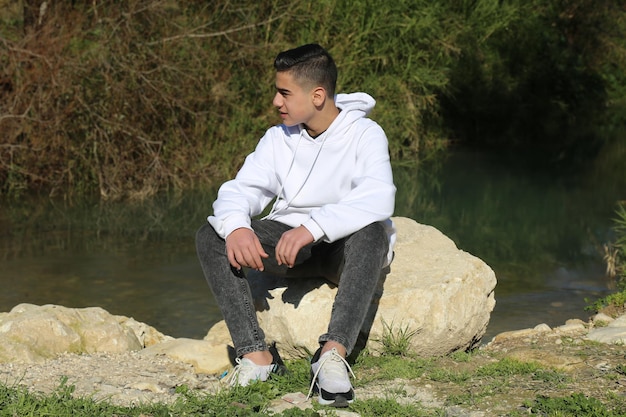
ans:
x=17 y=401
x=391 y=407
x=577 y=405
x=389 y=367
x=479 y=379
x=396 y=340
x=508 y=367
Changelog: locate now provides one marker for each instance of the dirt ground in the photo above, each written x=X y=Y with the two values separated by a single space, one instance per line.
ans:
x=581 y=366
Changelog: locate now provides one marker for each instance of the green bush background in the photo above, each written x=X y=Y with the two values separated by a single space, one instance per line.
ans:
x=127 y=99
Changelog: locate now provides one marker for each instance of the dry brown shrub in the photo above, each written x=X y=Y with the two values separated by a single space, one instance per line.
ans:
x=122 y=100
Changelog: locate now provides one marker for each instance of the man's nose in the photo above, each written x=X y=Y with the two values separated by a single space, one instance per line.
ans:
x=277 y=100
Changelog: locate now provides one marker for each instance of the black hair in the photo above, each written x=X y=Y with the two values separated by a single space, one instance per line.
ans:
x=309 y=64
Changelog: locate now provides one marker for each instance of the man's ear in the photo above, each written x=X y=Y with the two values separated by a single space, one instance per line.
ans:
x=319 y=96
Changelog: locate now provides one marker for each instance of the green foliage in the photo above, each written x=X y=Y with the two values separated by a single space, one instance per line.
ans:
x=390 y=407
x=461 y=356
x=17 y=401
x=508 y=367
x=240 y=401
x=538 y=73
x=495 y=378
x=576 y=405
x=125 y=100
x=469 y=387
x=388 y=367
x=475 y=396
x=616 y=300
x=446 y=375
x=309 y=412
x=620 y=243
x=615 y=258
x=128 y=100
x=297 y=379
x=396 y=340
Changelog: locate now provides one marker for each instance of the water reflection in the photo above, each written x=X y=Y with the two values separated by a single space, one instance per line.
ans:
x=538 y=231
x=541 y=229
x=132 y=259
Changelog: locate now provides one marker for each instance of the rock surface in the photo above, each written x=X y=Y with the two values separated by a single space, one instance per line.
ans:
x=30 y=333
x=614 y=332
x=440 y=294
x=146 y=376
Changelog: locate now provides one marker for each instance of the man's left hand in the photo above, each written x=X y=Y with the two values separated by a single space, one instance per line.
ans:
x=290 y=244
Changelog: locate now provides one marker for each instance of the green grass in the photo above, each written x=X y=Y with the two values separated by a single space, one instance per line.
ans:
x=389 y=367
x=466 y=388
x=391 y=407
x=396 y=340
x=575 y=405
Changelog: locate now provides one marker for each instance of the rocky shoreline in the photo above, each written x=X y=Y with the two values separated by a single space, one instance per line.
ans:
x=143 y=376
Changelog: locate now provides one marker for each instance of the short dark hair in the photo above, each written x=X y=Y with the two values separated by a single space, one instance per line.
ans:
x=309 y=64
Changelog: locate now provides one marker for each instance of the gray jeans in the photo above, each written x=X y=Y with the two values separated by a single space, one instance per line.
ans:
x=354 y=263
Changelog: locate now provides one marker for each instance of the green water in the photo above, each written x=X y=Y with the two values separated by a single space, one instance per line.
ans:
x=540 y=229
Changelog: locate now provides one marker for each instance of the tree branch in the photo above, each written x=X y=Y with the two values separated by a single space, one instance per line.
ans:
x=220 y=33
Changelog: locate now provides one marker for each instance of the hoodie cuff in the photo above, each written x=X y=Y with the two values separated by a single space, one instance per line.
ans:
x=314 y=229
x=232 y=223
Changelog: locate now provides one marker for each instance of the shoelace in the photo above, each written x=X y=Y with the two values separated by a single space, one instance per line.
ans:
x=245 y=369
x=335 y=357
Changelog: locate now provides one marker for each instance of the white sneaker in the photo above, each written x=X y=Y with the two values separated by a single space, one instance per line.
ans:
x=330 y=378
x=247 y=371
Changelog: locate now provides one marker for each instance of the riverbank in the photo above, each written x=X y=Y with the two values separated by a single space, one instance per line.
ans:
x=505 y=376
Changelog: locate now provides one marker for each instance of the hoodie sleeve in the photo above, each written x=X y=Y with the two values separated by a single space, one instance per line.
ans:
x=245 y=196
x=371 y=198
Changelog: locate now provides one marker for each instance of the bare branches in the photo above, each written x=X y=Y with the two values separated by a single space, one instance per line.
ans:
x=192 y=35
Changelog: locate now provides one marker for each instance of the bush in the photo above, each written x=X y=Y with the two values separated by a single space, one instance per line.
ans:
x=539 y=74
x=129 y=99
x=615 y=258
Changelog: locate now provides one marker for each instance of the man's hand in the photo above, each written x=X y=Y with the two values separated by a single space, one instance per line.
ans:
x=290 y=244
x=244 y=249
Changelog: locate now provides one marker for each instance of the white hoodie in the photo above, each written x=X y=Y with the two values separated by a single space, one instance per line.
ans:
x=333 y=185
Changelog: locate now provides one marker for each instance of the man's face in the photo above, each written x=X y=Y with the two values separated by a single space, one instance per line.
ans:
x=294 y=103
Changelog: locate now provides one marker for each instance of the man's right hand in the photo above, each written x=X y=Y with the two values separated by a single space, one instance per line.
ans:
x=244 y=249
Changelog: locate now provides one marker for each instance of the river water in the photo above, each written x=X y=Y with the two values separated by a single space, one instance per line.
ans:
x=541 y=230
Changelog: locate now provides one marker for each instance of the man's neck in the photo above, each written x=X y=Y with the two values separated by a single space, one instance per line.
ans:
x=325 y=118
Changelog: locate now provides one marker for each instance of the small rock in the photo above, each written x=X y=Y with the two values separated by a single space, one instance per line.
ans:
x=572 y=327
x=602 y=319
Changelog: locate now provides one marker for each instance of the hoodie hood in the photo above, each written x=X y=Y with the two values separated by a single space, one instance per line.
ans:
x=359 y=103
x=353 y=106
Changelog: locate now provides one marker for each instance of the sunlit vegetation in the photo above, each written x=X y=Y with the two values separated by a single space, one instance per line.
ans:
x=615 y=259
x=124 y=100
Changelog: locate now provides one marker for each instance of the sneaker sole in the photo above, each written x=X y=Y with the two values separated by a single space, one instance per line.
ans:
x=333 y=399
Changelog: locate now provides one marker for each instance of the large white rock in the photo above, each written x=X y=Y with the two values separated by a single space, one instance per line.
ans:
x=440 y=294
x=30 y=333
